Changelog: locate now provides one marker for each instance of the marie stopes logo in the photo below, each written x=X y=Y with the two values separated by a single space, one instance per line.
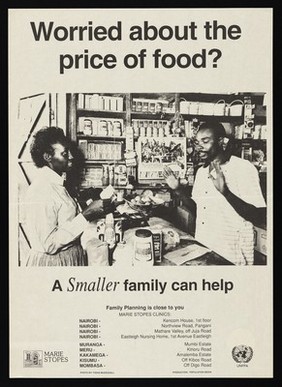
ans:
x=36 y=358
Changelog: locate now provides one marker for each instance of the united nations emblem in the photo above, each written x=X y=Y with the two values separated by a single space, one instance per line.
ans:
x=242 y=354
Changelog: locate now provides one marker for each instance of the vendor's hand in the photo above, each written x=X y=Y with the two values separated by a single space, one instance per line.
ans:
x=219 y=180
x=170 y=178
x=94 y=210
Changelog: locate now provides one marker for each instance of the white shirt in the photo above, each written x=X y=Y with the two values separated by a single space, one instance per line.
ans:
x=52 y=215
x=218 y=225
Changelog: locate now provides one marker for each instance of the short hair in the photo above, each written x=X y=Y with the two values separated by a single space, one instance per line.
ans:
x=215 y=126
x=43 y=141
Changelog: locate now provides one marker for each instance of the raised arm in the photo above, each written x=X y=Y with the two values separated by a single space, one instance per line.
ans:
x=256 y=215
x=181 y=191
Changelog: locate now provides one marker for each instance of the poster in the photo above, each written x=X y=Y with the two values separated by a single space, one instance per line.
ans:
x=113 y=321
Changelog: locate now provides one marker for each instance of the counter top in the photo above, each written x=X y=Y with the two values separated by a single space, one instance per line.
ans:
x=209 y=258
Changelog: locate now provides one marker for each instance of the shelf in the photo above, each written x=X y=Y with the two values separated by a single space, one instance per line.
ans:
x=257 y=98
x=138 y=186
x=151 y=116
x=83 y=137
x=89 y=162
x=104 y=186
x=190 y=117
x=250 y=139
x=100 y=113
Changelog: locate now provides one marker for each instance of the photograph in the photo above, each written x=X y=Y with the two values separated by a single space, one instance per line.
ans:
x=136 y=179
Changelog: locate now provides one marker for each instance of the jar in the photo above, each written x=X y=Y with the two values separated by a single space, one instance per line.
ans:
x=143 y=248
x=149 y=131
x=167 y=130
x=87 y=128
x=110 y=129
x=145 y=107
x=94 y=128
x=117 y=128
x=159 y=107
x=161 y=131
x=135 y=128
x=111 y=175
x=133 y=106
x=142 y=129
x=152 y=107
x=156 y=128
x=103 y=128
x=139 y=106
x=105 y=178
x=155 y=131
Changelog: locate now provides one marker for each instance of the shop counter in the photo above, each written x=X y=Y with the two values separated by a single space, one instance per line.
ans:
x=99 y=257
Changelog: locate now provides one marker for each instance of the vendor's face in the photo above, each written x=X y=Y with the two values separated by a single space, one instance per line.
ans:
x=207 y=146
x=60 y=158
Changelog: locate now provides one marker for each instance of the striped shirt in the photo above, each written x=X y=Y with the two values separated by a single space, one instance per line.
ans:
x=218 y=225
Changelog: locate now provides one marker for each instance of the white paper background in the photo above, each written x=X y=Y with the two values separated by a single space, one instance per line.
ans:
x=41 y=319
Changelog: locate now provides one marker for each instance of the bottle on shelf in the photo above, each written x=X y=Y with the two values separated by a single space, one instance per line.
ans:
x=105 y=175
x=129 y=139
x=111 y=175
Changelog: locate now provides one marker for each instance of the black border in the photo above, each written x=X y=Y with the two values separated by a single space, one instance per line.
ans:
x=4 y=363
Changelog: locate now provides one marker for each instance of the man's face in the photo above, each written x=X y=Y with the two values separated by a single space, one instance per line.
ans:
x=206 y=145
x=60 y=158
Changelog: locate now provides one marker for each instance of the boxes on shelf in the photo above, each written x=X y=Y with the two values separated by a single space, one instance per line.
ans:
x=98 y=102
x=101 y=151
x=150 y=128
x=142 y=105
x=104 y=127
x=92 y=177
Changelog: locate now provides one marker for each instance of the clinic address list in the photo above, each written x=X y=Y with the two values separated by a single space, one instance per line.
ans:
x=193 y=334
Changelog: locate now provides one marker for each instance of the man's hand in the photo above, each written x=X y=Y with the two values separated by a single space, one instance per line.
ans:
x=170 y=178
x=219 y=180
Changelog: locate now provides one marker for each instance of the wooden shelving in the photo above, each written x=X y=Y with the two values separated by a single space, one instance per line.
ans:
x=173 y=100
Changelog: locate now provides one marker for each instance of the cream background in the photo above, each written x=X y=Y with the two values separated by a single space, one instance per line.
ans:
x=43 y=320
